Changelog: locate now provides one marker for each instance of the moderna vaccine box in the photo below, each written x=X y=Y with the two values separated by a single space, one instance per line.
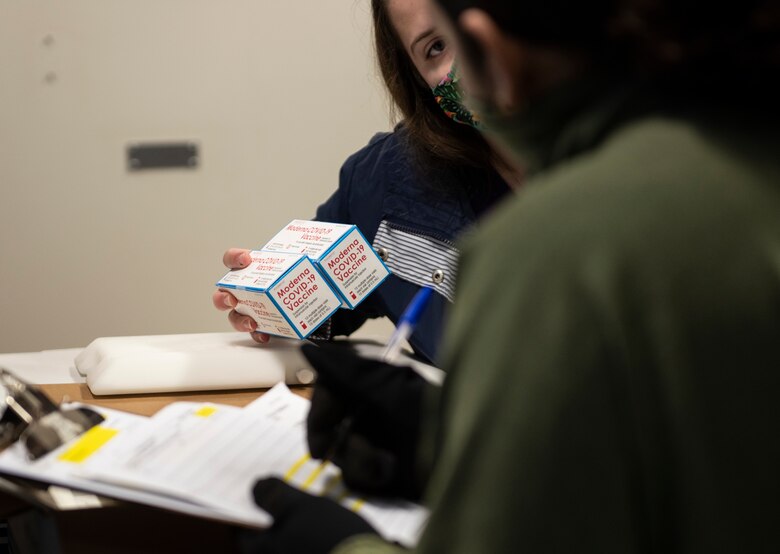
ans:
x=341 y=253
x=284 y=293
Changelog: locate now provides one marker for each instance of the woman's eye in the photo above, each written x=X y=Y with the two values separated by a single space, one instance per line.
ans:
x=435 y=49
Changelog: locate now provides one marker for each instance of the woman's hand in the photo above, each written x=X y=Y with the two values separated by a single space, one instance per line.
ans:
x=237 y=258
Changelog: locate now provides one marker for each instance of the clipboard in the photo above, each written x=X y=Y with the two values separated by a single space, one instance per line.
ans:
x=201 y=459
x=30 y=417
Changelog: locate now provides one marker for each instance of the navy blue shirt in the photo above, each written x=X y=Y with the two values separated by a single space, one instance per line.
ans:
x=413 y=220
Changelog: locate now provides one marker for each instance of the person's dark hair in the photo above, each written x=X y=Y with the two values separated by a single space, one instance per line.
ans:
x=435 y=139
x=737 y=38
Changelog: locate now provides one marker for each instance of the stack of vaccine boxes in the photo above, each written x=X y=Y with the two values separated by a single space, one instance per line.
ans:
x=303 y=275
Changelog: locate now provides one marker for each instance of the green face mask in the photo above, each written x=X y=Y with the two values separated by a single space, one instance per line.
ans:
x=449 y=96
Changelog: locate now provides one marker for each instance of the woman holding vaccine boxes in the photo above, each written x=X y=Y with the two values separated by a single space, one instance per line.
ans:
x=411 y=192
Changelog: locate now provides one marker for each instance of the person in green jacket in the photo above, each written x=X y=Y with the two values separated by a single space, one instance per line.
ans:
x=613 y=355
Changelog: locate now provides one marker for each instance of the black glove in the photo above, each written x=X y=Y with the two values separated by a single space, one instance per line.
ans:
x=303 y=523
x=365 y=417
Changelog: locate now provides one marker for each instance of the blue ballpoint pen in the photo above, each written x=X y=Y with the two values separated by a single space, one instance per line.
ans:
x=407 y=323
x=404 y=329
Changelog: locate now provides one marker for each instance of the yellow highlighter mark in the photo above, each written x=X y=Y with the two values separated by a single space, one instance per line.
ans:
x=205 y=411
x=313 y=475
x=89 y=443
x=358 y=504
x=355 y=504
x=296 y=466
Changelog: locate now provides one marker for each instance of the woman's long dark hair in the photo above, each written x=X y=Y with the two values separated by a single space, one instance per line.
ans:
x=435 y=140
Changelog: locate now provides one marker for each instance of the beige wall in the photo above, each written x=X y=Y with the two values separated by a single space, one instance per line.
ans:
x=276 y=92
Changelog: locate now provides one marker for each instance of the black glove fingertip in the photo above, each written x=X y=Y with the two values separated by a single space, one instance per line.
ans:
x=329 y=357
x=275 y=496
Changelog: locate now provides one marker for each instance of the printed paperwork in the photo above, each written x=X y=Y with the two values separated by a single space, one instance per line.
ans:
x=203 y=459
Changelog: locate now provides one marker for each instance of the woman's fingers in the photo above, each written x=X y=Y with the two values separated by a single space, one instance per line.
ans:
x=236 y=258
x=241 y=322
x=223 y=300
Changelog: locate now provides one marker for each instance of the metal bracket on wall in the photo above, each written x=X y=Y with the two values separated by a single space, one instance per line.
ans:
x=162 y=156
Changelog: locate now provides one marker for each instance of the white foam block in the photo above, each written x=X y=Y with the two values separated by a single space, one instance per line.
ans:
x=191 y=362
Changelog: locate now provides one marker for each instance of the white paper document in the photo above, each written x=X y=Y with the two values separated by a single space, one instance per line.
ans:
x=208 y=457
x=58 y=469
